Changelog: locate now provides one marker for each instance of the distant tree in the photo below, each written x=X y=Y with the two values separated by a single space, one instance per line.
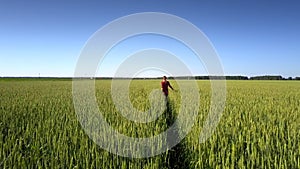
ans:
x=267 y=78
x=202 y=77
x=236 y=78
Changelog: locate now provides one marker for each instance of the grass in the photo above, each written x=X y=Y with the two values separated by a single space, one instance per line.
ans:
x=258 y=129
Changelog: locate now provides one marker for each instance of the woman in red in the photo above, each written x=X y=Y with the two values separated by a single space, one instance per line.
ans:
x=164 y=86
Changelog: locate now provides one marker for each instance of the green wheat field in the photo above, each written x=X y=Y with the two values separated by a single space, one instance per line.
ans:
x=259 y=127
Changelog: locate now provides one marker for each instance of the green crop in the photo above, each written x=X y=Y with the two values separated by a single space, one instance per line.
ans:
x=259 y=127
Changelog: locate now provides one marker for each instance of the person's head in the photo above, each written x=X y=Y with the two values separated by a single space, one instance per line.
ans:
x=164 y=78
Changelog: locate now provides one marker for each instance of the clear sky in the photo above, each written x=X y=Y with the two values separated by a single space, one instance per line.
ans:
x=251 y=37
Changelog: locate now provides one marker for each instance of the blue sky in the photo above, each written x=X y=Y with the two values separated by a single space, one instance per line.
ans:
x=251 y=37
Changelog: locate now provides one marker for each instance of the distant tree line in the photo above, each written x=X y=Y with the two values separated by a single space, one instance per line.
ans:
x=266 y=77
x=221 y=77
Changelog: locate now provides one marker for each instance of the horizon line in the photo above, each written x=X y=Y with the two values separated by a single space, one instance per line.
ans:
x=150 y=77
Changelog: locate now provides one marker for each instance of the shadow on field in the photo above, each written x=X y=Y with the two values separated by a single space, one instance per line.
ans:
x=177 y=157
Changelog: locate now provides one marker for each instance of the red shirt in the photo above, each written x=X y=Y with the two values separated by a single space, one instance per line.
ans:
x=164 y=86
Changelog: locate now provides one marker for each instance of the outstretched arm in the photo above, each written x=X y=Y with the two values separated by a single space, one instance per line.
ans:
x=170 y=86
